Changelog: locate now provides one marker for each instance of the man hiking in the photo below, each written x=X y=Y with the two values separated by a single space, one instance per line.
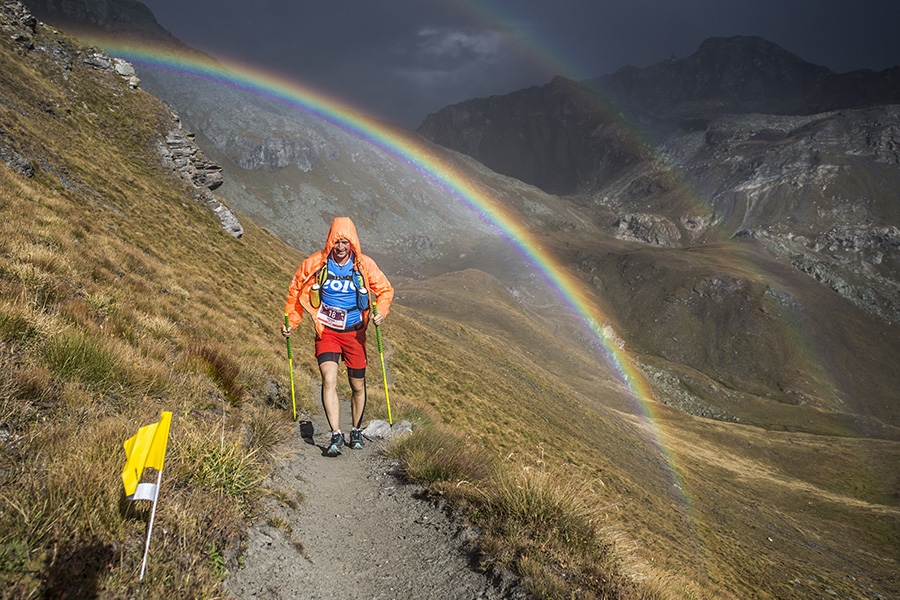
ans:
x=338 y=286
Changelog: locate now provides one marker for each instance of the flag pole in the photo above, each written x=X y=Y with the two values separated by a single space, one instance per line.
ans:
x=150 y=527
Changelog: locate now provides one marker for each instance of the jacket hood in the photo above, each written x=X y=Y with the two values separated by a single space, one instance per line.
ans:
x=342 y=228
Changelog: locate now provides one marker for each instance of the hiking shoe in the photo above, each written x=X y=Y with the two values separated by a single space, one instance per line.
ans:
x=356 y=441
x=334 y=448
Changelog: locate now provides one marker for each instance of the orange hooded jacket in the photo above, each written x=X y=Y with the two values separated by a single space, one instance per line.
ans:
x=380 y=289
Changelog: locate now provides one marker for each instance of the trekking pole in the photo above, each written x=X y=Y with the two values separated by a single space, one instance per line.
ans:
x=291 y=366
x=387 y=398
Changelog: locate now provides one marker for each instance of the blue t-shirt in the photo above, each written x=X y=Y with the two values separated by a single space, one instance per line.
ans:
x=339 y=290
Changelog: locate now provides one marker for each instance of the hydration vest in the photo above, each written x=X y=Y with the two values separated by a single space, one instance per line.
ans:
x=322 y=276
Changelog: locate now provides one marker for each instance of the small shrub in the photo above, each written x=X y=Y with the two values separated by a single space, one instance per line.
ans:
x=40 y=288
x=32 y=384
x=531 y=504
x=226 y=467
x=267 y=428
x=544 y=528
x=216 y=560
x=16 y=327
x=423 y=415
x=158 y=327
x=104 y=304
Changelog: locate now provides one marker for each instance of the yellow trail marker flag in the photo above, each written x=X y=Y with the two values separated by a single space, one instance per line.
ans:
x=145 y=449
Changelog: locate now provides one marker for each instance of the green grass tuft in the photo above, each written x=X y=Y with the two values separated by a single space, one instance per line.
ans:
x=229 y=468
x=434 y=454
x=90 y=359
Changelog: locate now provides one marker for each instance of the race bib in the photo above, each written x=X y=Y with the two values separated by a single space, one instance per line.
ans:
x=333 y=317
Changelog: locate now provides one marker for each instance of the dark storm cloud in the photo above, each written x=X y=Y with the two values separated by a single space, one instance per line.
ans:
x=401 y=59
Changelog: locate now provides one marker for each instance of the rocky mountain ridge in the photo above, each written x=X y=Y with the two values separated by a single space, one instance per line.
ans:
x=740 y=139
x=125 y=17
x=288 y=170
x=563 y=136
x=744 y=74
x=178 y=150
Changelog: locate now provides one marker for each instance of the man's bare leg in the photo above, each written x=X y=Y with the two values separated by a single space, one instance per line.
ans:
x=357 y=399
x=329 y=371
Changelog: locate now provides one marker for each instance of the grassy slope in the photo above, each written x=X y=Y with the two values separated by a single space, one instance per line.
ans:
x=736 y=509
x=120 y=297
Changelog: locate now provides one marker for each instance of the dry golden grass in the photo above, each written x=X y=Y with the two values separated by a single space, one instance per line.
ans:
x=119 y=298
x=122 y=298
x=683 y=507
x=532 y=521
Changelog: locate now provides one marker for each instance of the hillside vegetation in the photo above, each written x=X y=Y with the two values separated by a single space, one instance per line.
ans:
x=121 y=297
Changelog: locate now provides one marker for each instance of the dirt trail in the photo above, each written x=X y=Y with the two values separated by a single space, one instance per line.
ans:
x=359 y=532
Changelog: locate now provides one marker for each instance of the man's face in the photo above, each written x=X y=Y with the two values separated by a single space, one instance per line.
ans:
x=341 y=250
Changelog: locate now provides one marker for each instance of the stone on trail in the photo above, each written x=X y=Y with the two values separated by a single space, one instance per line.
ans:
x=381 y=430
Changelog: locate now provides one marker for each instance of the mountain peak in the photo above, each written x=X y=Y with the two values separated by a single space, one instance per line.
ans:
x=744 y=47
x=740 y=74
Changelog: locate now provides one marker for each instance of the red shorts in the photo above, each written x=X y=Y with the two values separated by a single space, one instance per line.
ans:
x=350 y=345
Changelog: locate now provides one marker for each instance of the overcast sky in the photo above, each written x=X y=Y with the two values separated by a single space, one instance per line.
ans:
x=403 y=59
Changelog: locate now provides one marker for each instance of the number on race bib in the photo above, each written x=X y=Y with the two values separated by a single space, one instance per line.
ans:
x=331 y=316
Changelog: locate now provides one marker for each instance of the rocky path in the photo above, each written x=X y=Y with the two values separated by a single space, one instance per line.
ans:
x=349 y=528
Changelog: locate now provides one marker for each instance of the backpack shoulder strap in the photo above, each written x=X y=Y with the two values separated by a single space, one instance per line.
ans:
x=360 y=275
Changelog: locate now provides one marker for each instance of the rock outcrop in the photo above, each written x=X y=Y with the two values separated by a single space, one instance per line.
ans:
x=181 y=152
x=178 y=150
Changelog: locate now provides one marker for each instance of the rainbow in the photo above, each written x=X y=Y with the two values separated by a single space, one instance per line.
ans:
x=430 y=164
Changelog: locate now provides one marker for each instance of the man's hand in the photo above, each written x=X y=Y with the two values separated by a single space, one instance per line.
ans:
x=378 y=319
x=286 y=330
